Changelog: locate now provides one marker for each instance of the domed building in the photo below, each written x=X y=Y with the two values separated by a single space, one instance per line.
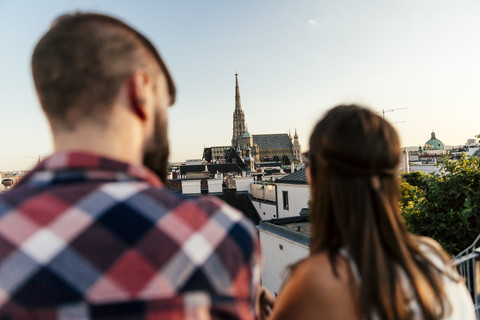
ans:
x=434 y=143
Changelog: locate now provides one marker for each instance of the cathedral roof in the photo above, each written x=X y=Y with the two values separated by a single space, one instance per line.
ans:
x=272 y=141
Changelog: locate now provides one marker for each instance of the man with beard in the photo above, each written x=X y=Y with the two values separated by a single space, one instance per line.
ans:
x=91 y=233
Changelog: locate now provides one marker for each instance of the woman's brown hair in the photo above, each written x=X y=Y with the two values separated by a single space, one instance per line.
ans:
x=354 y=156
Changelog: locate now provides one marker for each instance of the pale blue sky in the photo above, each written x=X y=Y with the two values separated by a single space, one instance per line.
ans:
x=295 y=60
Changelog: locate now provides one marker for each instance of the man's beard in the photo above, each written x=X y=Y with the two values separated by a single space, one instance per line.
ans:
x=156 y=153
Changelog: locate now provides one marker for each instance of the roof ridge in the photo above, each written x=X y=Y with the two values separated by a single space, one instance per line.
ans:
x=270 y=134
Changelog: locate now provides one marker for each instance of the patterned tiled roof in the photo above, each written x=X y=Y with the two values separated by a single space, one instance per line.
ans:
x=273 y=141
x=298 y=177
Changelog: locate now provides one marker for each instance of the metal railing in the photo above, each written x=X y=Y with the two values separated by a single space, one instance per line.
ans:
x=468 y=264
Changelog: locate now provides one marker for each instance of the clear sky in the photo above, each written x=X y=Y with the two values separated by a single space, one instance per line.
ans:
x=295 y=60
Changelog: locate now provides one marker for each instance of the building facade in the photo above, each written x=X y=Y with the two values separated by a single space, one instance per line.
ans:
x=280 y=148
x=287 y=197
x=282 y=246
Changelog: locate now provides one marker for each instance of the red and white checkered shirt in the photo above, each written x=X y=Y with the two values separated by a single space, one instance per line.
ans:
x=86 y=237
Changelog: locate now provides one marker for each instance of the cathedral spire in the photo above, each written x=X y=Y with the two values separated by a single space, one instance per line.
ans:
x=238 y=116
x=297 y=148
x=238 y=103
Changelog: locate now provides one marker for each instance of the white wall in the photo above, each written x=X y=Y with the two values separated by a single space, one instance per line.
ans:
x=471 y=150
x=425 y=168
x=193 y=162
x=298 y=195
x=215 y=185
x=266 y=211
x=273 y=177
x=405 y=162
x=276 y=260
x=243 y=184
x=191 y=187
x=263 y=191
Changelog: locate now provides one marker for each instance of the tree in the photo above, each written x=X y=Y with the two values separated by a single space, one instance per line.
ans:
x=444 y=206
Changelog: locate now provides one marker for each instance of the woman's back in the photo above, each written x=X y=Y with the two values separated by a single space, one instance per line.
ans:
x=316 y=291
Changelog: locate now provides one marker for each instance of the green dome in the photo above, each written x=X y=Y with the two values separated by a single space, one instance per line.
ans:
x=246 y=135
x=434 y=143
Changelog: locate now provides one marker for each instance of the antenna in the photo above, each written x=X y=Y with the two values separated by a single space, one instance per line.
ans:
x=39 y=158
x=390 y=110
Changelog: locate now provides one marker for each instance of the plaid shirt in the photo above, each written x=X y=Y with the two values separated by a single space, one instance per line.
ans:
x=86 y=237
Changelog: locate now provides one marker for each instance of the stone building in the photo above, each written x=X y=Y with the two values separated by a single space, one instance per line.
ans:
x=263 y=147
x=297 y=148
x=238 y=116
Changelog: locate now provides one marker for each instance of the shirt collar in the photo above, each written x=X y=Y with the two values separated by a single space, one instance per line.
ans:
x=79 y=165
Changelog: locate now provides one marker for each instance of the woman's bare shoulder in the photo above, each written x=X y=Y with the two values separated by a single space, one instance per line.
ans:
x=316 y=290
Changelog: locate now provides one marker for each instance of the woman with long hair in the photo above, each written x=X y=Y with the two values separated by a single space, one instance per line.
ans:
x=363 y=262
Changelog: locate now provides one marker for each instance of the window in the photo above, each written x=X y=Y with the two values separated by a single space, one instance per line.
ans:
x=285 y=200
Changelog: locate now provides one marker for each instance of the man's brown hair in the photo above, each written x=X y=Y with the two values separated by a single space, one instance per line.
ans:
x=81 y=62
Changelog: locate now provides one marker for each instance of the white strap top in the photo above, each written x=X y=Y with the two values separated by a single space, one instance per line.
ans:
x=457 y=294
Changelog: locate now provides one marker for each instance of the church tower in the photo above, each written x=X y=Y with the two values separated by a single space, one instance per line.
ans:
x=238 y=117
x=297 y=148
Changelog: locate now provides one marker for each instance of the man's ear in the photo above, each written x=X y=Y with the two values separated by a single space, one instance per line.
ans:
x=136 y=93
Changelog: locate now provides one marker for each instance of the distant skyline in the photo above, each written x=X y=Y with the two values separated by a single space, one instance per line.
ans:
x=295 y=60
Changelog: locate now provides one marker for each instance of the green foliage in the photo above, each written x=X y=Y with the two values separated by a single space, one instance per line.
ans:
x=416 y=179
x=444 y=206
x=409 y=194
x=310 y=205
